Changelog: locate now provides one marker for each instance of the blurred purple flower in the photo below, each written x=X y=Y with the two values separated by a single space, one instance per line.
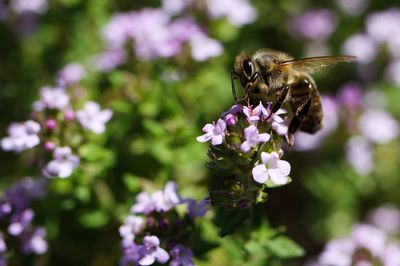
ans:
x=353 y=7
x=388 y=20
x=151 y=251
x=175 y=7
x=3 y=246
x=387 y=218
x=132 y=226
x=51 y=98
x=393 y=72
x=29 y=6
x=253 y=137
x=316 y=24
x=21 y=136
x=71 y=74
x=271 y=168
x=350 y=96
x=238 y=12
x=359 y=155
x=362 y=46
x=213 y=132
x=109 y=60
x=158 y=35
x=378 y=126
x=305 y=141
x=92 y=118
x=160 y=200
x=35 y=242
x=19 y=222
x=144 y=204
x=366 y=244
x=197 y=209
x=181 y=256
x=63 y=163
x=204 y=47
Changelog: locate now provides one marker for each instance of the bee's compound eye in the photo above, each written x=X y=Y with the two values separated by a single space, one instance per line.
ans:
x=247 y=67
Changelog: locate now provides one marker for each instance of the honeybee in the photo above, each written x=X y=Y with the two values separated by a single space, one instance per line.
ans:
x=282 y=79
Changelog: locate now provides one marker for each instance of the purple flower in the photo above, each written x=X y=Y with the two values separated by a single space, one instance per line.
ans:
x=253 y=137
x=144 y=203
x=378 y=126
x=51 y=98
x=35 y=242
x=359 y=155
x=19 y=222
x=213 y=132
x=175 y=7
x=305 y=141
x=181 y=256
x=92 y=118
x=272 y=168
x=3 y=246
x=387 y=218
x=151 y=251
x=29 y=6
x=21 y=136
x=63 y=163
x=362 y=46
x=238 y=12
x=387 y=19
x=367 y=245
x=204 y=47
x=317 y=24
x=158 y=200
x=197 y=209
x=230 y=119
x=71 y=74
x=131 y=227
x=109 y=60
x=350 y=95
x=253 y=114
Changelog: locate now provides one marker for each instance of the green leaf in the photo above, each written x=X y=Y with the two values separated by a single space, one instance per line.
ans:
x=94 y=219
x=229 y=219
x=284 y=248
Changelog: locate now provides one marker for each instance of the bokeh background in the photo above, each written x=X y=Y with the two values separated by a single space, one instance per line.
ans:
x=163 y=68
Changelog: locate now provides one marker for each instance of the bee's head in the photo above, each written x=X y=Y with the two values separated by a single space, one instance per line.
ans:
x=246 y=69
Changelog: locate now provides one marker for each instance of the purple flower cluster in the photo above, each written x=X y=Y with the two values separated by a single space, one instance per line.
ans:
x=17 y=217
x=53 y=119
x=366 y=245
x=316 y=24
x=155 y=34
x=256 y=127
x=155 y=231
x=365 y=45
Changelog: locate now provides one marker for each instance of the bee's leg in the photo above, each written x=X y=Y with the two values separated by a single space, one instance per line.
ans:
x=234 y=75
x=297 y=119
x=280 y=100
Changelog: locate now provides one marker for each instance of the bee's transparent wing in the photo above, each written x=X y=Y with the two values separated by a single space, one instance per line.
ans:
x=315 y=64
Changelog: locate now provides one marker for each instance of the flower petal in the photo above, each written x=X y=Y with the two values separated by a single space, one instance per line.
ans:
x=245 y=147
x=147 y=260
x=264 y=137
x=284 y=167
x=161 y=255
x=217 y=139
x=260 y=174
x=204 y=138
x=277 y=177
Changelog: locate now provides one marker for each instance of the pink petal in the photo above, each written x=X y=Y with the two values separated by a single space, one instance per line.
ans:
x=245 y=147
x=266 y=157
x=161 y=255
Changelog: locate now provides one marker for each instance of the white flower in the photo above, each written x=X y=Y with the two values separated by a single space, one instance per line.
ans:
x=271 y=168
x=92 y=118
x=63 y=163
x=21 y=136
x=213 y=132
x=51 y=98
